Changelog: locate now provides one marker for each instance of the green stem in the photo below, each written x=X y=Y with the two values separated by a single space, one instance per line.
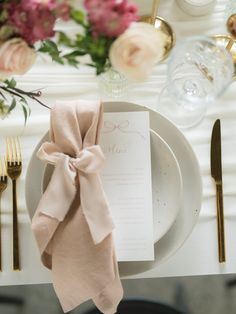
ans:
x=18 y=92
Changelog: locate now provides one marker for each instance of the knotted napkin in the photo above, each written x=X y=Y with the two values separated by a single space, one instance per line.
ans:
x=72 y=224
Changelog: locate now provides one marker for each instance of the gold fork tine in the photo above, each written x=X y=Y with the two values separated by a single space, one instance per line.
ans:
x=3 y=167
x=11 y=149
x=18 y=150
x=8 y=150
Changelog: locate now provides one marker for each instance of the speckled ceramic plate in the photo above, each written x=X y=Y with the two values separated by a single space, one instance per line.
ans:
x=190 y=205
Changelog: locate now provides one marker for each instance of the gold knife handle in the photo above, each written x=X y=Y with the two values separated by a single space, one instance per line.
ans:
x=220 y=222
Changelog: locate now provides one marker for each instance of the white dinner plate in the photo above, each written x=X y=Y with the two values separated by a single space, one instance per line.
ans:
x=188 y=213
x=166 y=183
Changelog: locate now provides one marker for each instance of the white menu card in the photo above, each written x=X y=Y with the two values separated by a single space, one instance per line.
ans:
x=126 y=178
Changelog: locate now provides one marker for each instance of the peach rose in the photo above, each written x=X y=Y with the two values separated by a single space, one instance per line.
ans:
x=135 y=52
x=16 y=57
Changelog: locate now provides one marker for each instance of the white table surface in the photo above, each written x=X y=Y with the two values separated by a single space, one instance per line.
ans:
x=198 y=255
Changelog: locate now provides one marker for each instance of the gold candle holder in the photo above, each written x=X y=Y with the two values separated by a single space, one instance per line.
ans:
x=224 y=41
x=231 y=25
x=164 y=27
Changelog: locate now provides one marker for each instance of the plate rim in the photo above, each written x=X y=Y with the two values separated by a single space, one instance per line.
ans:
x=179 y=178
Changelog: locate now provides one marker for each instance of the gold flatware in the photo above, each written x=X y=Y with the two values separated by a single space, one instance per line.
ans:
x=216 y=173
x=14 y=167
x=3 y=186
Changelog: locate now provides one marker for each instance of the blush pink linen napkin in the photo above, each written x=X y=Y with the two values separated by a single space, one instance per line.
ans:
x=72 y=224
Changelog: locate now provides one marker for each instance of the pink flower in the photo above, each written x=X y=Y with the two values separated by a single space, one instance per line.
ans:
x=49 y=4
x=63 y=11
x=32 y=20
x=60 y=8
x=16 y=57
x=110 y=17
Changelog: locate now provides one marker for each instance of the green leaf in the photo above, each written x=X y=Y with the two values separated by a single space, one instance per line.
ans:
x=11 y=83
x=4 y=110
x=6 y=32
x=64 y=40
x=13 y=104
x=79 y=40
x=78 y=16
x=73 y=62
x=3 y=97
x=29 y=111
x=76 y=53
x=25 y=113
x=3 y=16
x=23 y=100
x=49 y=47
x=57 y=59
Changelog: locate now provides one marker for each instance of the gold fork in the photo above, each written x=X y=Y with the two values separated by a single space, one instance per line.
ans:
x=14 y=167
x=3 y=185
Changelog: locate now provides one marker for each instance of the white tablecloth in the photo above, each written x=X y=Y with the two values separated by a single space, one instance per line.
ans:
x=199 y=255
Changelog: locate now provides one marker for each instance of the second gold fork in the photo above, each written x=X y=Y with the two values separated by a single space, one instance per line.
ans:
x=14 y=167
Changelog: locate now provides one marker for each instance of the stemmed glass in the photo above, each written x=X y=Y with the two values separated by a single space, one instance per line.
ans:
x=198 y=72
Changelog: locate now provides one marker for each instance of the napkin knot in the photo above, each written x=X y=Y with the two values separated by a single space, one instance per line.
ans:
x=63 y=187
x=88 y=160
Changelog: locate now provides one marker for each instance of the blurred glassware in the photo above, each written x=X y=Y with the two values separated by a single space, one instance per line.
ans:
x=230 y=8
x=113 y=84
x=198 y=72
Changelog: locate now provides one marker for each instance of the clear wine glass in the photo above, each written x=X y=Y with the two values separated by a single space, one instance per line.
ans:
x=198 y=72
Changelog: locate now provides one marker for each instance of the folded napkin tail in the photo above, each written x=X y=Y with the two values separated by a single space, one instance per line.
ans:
x=96 y=210
x=108 y=300
x=61 y=185
x=44 y=228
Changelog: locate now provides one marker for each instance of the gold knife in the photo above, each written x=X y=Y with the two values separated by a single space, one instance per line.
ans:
x=216 y=173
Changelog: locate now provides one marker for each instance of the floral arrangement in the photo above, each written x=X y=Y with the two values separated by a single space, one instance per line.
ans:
x=110 y=36
x=24 y=23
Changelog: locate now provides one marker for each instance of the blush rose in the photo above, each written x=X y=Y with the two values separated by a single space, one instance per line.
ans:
x=16 y=57
x=137 y=50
